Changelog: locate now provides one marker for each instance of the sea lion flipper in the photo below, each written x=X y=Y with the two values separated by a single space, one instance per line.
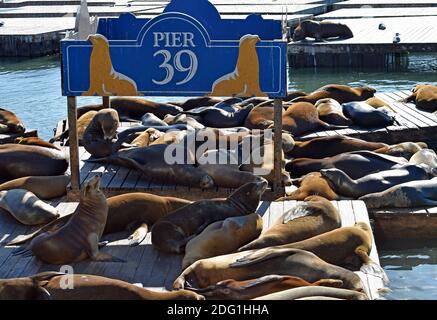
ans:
x=260 y=256
x=96 y=255
x=369 y=266
x=138 y=235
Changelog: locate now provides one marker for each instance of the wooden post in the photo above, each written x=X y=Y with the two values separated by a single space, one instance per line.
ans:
x=74 y=147
x=277 y=165
x=106 y=102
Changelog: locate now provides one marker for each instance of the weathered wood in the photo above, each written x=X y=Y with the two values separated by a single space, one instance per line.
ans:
x=74 y=145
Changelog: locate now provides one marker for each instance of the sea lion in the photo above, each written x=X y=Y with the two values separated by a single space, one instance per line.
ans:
x=426 y=157
x=364 y=115
x=49 y=286
x=312 y=184
x=296 y=263
x=229 y=175
x=375 y=182
x=355 y=164
x=406 y=195
x=321 y=30
x=424 y=96
x=146 y=138
x=135 y=108
x=44 y=187
x=193 y=103
x=403 y=149
x=330 y=111
x=315 y=291
x=249 y=289
x=376 y=103
x=172 y=232
x=338 y=92
x=18 y=161
x=322 y=147
x=9 y=122
x=81 y=124
x=183 y=119
x=35 y=141
x=149 y=119
x=305 y=220
x=260 y=117
x=98 y=136
x=168 y=137
x=218 y=118
x=244 y=80
x=222 y=237
x=78 y=239
x=26 y=207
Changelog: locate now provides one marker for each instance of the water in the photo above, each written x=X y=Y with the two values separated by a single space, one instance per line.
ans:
x=32 y=89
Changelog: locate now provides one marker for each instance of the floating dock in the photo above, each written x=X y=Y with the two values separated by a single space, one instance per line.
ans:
x=144 y=264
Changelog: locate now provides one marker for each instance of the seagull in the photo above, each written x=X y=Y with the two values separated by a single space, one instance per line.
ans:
x=381 y=26
x=2 y=23
x=397 y=38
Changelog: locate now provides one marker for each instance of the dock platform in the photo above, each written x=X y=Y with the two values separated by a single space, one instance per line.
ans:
x=144 y=264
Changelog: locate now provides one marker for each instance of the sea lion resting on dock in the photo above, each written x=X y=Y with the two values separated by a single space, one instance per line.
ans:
x=249 y=289
x=403 y=149
x=426 y=157
x=364 y=115
x=424 y=96
x=316 y=292
x=27 y=208
x=340 y=93
x=49 y=286
x=171 y=233
x=9 y=122
x=406 y=195
x=321 y=30
x=81 y=124
x=218 y=118
x=35 y=141
x=183 y=119
x=197 y=102
x=18 y=161
x=305 y=220
x=331 y=111
x=296 y=263
x=44 y=187
x=78 y=239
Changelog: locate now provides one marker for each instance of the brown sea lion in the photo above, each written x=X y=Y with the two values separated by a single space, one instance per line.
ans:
x=321 y=30
x=78 y=239
x=315 y=291
x=136 y=108
x=312 y=184
x=81 y=124
x=35 y=141
x=98 y=136
x=378 y=103
x=403 y=149
x=305 y=220
x=331 y=111
x=338 y=92
x=249 y=289
x=322 y=147
x=44 y=187
x=54 y=286
x=18 y=161
x=168 y=137
x=260 y=117
x=143 y=139
x=296 y=263
x=222 y=237
x=9 y=122
x=172 y=232
x=424 y=96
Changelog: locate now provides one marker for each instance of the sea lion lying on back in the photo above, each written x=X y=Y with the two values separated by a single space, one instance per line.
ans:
x=312 y=184
x=49 y=286
x=321 y=30
x=9 y=122
x=340 y=93
x=424 y=96
x=171 y=233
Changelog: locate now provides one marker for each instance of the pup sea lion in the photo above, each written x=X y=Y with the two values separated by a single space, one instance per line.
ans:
x=49 y=286
x=35 y=141
x=355 y=164
x=98 y=136
x=218 y=118
x=78 y=239
x=321 y=30
x=149 y=119
x=322 y=147
x=244 y=80
x=406 y=195
x=146 y=138
x=403 y=149
x=134 y=108
x=249 y=289
x=9 y=122
x=222 y=237
x=18 y=161
x=172 y=232
x=375 y=182
x=312 y=184
x=82 y=123
x=26 y=207
x=307 y=219
x=315 y=291
x=364 y=115
x=330 y=111
x=338 y=92
x=44 y=187
x=424 y=96
x=296 y=263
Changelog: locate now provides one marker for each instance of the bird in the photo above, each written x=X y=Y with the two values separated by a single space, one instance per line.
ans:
x=397 y=38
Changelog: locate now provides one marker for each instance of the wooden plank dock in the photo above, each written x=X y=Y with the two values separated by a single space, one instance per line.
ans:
x=384 y=4
x=144 y=264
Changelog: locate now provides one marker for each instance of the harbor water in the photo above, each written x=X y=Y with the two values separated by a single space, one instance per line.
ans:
x=32 y=89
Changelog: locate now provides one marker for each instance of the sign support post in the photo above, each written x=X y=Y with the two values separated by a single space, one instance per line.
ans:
x=277 y=164
x=74 y=146
x=106 y=102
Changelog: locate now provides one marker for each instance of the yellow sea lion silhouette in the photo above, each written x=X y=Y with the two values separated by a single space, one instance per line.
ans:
x=104 y=80
x=244 y=80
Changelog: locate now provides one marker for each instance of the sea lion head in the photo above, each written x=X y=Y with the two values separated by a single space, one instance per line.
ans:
x=109 y=122
x=206 y=182
x=22 y=289
x=367 y=92
x=92 y=186
x=16 y=127
x=247 y=197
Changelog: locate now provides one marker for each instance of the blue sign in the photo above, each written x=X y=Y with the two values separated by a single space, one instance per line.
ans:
x=188 y=50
